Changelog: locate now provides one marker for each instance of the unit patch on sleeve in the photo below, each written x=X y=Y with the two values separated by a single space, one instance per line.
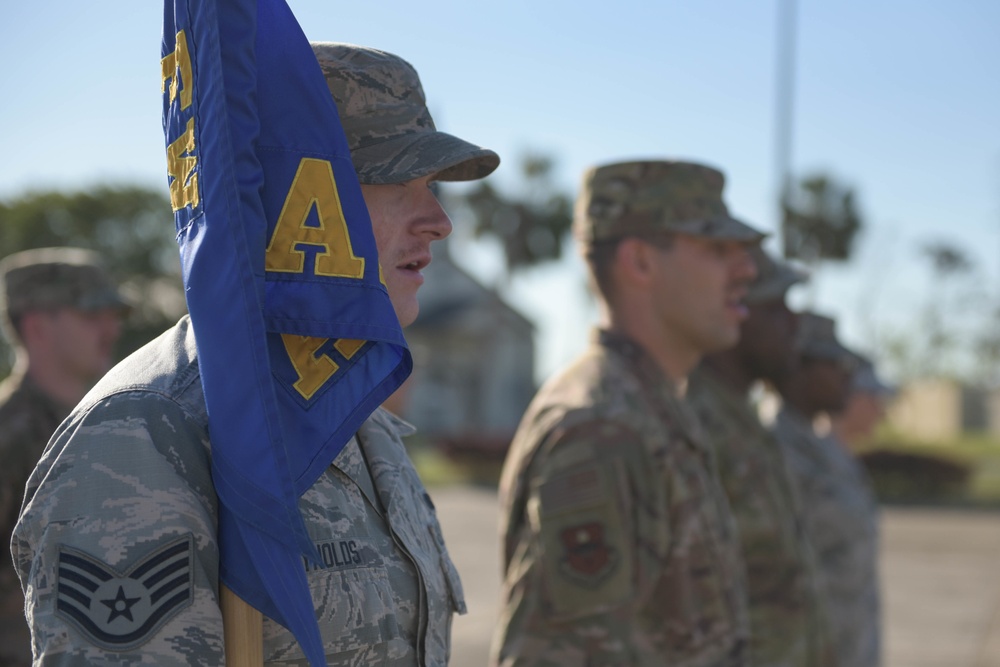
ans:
x=119 y=611
x=587 y=558
x=587 y=549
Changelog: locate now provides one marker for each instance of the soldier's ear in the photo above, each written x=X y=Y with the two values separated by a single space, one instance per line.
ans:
x=635 y=261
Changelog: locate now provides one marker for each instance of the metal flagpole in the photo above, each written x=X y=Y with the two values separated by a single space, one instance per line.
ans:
x=784 y=108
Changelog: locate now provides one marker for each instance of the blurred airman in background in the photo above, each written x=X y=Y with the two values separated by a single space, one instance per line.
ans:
x=866 y=406
x=618 y=544
x=788 y=627
x=62 y=314
x=839 y=506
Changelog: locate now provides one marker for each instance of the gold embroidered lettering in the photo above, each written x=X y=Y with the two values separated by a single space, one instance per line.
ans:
x=314 y=186
x=313 y=370
x=181 y=162
x=348 y=347
x=180 y=59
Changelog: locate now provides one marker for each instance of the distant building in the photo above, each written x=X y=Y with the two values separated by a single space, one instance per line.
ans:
x=939 y=409
x=474 y=360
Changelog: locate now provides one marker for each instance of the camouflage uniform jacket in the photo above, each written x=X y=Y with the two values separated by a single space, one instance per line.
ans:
x=124 y=495
x=788 y=627
x=841 y=521
x=619 y=548
x=28 y=418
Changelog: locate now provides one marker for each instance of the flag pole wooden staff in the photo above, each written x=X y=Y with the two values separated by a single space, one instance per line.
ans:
x=243 y=631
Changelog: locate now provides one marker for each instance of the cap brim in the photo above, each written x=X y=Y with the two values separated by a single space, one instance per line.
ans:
x=108 y=298
x=722 y=227
x=829 y=350
x=776 y=286
x=423 y=154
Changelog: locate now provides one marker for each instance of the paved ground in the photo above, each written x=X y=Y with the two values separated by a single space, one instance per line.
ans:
x=940 y=574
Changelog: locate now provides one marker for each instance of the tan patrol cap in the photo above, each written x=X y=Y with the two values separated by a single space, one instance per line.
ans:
x=648 y=196
x=389 y=129
x=774 y=277
x=48 y=278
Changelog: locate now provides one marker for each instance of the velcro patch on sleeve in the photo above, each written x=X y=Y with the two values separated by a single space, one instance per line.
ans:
x=120 y=611
x=586 y=554
x=587 y=548
x=572 y=491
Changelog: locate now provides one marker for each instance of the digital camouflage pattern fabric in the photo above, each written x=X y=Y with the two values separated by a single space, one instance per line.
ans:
x=655 y=196
x=618 y=545
x=121 y=513
x=28 y=418
x=388 y=126
x=788 y=627
x=841 y=521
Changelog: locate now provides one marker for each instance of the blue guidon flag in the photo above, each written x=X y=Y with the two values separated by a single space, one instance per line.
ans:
x=297 y=339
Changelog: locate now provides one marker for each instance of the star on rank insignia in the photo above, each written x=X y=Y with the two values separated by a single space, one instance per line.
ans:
x=587 y=558
x=119 y=611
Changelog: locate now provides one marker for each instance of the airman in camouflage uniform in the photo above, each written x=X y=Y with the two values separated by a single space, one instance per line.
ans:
x=840 y=510
x=618 y=543
x=61 y=312
x=787 y=622
x=866 y=406
x=125 y=491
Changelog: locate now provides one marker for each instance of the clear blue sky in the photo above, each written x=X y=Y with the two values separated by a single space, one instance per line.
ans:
x=898 y=98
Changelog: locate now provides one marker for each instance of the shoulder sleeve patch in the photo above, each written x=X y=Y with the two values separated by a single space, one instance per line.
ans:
x=586 y=543
x=120 y=611
x=573 y=490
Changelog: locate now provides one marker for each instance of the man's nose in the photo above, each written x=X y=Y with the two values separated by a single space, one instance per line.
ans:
x=746 y=267
x=434 y=221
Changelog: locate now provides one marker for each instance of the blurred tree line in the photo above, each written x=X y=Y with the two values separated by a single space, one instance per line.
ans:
x=131 y=226
x=532 y=223
x=820 y=220
x=954 y=334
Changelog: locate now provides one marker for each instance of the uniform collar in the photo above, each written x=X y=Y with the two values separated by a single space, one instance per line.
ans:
x=373 y=457
x=663 y=391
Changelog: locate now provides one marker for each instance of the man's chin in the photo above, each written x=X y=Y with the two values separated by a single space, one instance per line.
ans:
x=407 y=313
x=724 y=340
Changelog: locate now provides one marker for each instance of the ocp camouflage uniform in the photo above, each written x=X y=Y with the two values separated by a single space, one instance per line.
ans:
x=28 y=418
x=788 y=627
x=841 y=521
x=618 y=544
x=117 y=545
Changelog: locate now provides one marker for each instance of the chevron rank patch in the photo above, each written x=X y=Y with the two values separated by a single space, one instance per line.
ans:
x=119 y=611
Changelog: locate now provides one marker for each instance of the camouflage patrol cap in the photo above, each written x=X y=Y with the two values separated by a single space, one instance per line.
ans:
x=644 y=197
x=47 y=278
x=817 y=338
x=389 y=130
x=774 y=277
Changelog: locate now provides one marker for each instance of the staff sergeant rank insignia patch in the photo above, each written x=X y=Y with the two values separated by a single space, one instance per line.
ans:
x=120 y=611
